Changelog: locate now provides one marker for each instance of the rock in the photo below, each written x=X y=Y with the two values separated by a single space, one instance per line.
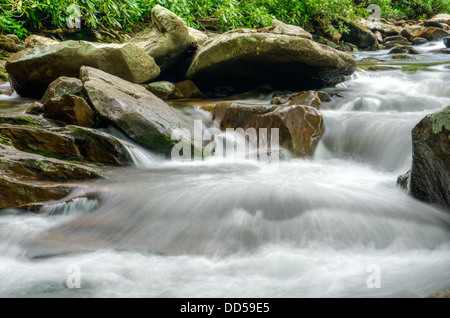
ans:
x=300 y=127
x=404 y=49
x=287 y=29
x=70 y=109
x=402 y=56
x=378 y=36
x=36 y=108
x=447 y=41
x=14 y=192
x=429 y=33
x=24 y=165
x=348 y=47
x=164 y=90
x=324 y=97
x=22 y=175
x=168 y=39
x=440 y=294
x=443 y=51
x=134 y=110
x=243 y=60
x=442 y=18
x=189 y=90
x=379 y=68
x=419 y=41
x=8 y=44
x=432 y=23
x=395 y=39
x=278 y=101
x=33 y=40
x=309 y=98
x=387 y=29
x=430 y=171
x=325 y=41
x=13 y=37
x=63 y=86
x=33 y=70
x=392 y=44
x=360 y=36
x=403 y=180
x=68 y=143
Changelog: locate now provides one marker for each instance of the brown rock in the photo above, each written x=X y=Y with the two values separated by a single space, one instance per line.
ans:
x=164 y=90
x=8 y=44
x=36 y=108
x=33 y=40
x=70 y=109
x=63 y=86
x=188 y=89
x=300 y=127
x=309 y=98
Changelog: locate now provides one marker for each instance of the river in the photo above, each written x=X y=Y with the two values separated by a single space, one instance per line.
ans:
x=335 y=225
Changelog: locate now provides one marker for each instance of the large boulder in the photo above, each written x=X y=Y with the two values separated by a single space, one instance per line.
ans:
x=32 y=70
x=300 y=127
x=168 y=39
x=69 y=142
x=134 y=110
x=430 y=172
x=360 y=35
x=243 y=60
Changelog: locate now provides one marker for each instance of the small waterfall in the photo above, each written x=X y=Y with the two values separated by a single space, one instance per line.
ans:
x=77 y=206
x=142 y=159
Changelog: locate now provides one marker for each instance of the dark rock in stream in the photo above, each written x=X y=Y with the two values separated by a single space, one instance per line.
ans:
x=447 y=41
x=430 y=172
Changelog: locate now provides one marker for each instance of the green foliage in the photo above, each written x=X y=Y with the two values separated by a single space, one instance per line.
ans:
x=418 y=9
x=18 y=16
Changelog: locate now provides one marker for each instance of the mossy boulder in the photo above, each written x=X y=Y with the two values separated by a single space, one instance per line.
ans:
x=63 y=86
x=430 y=172
x=33 y=70
x=359 y=35
x=7 y=44
x=67 y=143
x=242 y=60
x=300 y=127
x=134 y=110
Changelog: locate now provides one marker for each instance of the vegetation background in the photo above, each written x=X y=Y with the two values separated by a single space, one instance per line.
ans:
x=21 y=17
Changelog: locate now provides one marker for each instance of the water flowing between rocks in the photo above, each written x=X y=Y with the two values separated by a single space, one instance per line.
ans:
x=218 y=228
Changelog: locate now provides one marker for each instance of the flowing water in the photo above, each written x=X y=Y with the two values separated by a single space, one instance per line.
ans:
x=317 y=227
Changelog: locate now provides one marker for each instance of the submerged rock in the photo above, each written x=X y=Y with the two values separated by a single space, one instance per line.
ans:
x=242 y=60
x=168 y=39
x=134 y=110
x=33 y=70
x=430 y=172
x=300 y=127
